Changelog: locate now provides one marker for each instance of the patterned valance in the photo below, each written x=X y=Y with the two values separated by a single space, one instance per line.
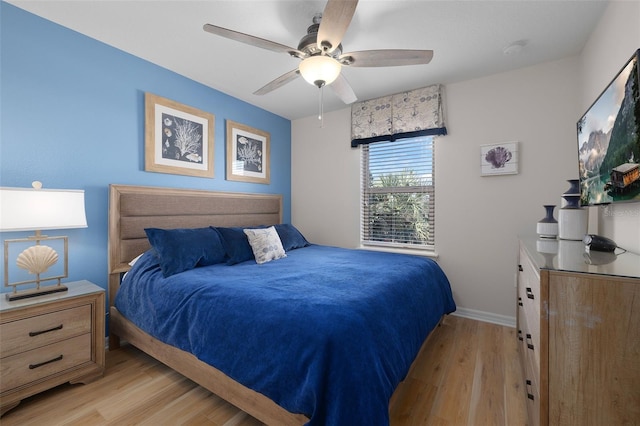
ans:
x=408 y=114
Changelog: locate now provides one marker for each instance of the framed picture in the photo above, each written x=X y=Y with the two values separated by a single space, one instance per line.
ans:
x=178 y=138
x=247 y=153
x=499 y=159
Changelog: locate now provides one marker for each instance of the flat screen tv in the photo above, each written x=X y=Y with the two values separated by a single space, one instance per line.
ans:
x=609 y=141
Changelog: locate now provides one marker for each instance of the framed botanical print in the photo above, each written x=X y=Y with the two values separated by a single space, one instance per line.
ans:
x=178 y=138
x=248 y=153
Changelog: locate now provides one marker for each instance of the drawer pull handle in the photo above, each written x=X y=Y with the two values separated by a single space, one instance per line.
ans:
x=37 y=333
x=33 y=366
x=520 y=268
x=519 y=301
x=520 y=335
x=529 y=394
x=529 y=342
x=529 y=293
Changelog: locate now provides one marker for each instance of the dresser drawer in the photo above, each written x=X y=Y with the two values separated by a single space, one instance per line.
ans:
x=23 y=368
x=529 y=297
x=522 y=349
x=533 y=394
x=30 y=333
x=533 y=405
x=530 y=331
x=529 y=277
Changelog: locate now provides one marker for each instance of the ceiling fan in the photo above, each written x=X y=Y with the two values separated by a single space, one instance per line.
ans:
x=321 y=51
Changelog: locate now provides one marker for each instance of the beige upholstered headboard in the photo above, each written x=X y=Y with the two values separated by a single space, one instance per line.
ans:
x=134 y=208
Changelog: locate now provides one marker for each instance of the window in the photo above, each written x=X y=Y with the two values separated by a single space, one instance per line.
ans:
x=398 y=193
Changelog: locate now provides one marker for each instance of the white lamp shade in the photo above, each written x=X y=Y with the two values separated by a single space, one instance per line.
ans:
x=23 y=209
x=320 y=68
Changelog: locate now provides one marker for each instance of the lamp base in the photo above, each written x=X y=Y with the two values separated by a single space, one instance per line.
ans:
x=26 y=294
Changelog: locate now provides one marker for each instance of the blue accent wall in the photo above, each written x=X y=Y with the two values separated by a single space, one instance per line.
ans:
x=72 y=116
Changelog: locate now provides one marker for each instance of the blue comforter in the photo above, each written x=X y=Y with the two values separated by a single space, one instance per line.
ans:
x=326 y=332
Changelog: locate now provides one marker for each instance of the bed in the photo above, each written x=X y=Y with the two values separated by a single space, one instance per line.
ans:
x=308 y=338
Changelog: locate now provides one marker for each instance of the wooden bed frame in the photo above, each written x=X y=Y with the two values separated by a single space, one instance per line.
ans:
x=133 y=208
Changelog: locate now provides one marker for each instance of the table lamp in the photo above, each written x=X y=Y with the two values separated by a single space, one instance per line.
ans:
x=37 y=209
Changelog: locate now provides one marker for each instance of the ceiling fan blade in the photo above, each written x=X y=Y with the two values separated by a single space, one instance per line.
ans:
x=336 y=18
x=343 y=90
x=252 y=40
x=278 y=82
x=386 y=58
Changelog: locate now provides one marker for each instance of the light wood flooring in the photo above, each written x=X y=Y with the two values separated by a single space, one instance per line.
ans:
x=467 y=374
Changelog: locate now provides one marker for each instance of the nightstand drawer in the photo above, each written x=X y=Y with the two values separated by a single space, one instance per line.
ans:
x=23 y=368
x=30 y=333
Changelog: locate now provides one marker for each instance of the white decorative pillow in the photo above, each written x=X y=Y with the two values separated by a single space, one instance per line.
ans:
x=265 y=244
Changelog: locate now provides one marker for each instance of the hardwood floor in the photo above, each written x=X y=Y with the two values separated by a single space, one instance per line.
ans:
x=467 y=374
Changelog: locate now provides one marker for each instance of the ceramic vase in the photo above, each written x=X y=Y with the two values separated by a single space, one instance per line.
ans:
x=572 y=219
x=547 y=227
x=572 y=195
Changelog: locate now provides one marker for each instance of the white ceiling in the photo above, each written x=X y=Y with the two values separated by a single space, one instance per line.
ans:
x=467 y=37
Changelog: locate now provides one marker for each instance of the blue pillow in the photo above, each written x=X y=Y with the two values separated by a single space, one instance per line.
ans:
x=291 y=238
x=183 y=249
x=236 y=244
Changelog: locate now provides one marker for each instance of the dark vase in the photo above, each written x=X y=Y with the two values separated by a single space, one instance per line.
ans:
x=572 y=196
x=575 y=187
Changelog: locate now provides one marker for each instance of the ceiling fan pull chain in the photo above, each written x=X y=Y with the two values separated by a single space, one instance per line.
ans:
x=320 y=115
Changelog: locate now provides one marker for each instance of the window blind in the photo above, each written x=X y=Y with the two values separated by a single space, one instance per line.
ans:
x=398 y=193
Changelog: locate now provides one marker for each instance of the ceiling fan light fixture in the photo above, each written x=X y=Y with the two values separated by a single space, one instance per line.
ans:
x=320 y=70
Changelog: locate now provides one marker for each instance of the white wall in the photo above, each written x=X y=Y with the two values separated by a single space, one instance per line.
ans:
x=478 y=218
x=325 y=180
x=611 y=44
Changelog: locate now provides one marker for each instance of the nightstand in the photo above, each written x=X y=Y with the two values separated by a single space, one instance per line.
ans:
x=49 y=340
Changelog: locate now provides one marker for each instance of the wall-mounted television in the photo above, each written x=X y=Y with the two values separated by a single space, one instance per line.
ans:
x=609 y=141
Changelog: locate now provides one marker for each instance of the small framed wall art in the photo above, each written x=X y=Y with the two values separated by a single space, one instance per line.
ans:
x=178 y=138
x=499 y=159
x=247 y=153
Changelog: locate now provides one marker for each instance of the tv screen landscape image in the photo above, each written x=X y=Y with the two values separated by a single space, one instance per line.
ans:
x=609 y=141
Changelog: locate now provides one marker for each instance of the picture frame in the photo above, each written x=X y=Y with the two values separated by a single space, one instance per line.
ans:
x=248 y=153
x=178 y=138
x=499 y=159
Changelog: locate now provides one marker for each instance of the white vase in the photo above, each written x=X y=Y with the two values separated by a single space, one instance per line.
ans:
x=572 y=223
x=572 y=219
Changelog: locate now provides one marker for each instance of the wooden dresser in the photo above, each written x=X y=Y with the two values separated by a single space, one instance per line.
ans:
x=49 y=340
x=578 y=320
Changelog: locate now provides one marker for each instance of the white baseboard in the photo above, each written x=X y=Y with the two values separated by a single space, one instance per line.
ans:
x=486 y=317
